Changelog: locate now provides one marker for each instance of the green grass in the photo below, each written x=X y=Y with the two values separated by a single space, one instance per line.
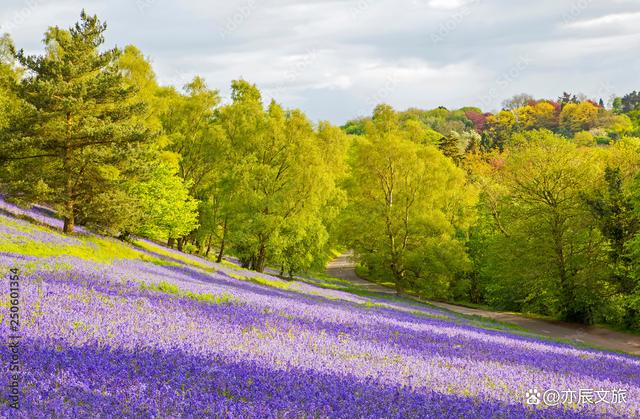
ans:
x=363 y=273
x=269 y=282
x=491 y=324
x=324 y=278
x=371 y=304
x=93 y=248
x=160 y=250
x=228 y=264
x=168 y=288
x=262 y=281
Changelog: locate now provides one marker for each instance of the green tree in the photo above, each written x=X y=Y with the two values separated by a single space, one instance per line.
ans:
x=168 y=209
x=188 y=121
x=408 y=205
x=189 y=124
x=549 y=257
x=9 y=74
x=276 y=182
x=613 y=208
x=80 y=124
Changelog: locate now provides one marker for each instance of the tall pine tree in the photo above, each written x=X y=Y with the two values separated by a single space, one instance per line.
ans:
x=81 y=123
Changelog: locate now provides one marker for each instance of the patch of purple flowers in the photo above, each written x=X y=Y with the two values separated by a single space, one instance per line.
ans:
x=104 y=340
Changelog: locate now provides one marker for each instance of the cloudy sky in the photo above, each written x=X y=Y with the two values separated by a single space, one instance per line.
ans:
x=336 y=59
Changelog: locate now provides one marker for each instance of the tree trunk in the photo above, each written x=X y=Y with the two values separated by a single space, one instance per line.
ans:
x=206 y=253
x=572 y=312
x=224 y=237
x=261 y=259
x=70 y=216
x=398 y=277
x=180 y=243
x=70 y=209
x=399 y=288
x=221 y=252
x=171 y=242
x=69 y=223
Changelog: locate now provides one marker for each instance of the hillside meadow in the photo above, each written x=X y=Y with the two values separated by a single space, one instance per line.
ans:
x=147 y=331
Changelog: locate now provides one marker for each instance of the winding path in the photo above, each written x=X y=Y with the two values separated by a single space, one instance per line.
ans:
x=343 y=267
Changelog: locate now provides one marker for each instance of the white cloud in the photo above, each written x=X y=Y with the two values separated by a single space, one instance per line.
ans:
x=447 y=4
x=333 y=57
x=608 y=20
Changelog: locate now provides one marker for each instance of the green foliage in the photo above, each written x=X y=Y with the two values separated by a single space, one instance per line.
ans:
x=169 y=210
x=277 y=183
x=162 y=251
x=79 y=124
x=355 y=126
x=549 y=257
x=9 y=103
x=188 y=122
x=584 y=138
x=408 y=206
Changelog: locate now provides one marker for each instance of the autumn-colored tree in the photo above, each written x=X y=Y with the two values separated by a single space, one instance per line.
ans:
x=576 y=117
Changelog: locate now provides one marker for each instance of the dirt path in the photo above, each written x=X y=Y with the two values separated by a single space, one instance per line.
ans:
x=344 y=268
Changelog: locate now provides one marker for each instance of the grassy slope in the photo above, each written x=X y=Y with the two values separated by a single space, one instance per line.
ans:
x=105 y=249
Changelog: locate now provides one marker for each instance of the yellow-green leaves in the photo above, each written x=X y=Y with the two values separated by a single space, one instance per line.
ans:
x=408 y=203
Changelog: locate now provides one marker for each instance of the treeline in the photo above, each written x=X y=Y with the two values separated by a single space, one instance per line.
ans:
x=89 y=131
x=535 y=208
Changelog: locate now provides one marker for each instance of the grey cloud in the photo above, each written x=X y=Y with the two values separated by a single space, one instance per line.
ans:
x=334 y=58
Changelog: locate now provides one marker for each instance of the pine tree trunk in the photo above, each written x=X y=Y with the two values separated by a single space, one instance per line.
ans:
x=70 y=216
